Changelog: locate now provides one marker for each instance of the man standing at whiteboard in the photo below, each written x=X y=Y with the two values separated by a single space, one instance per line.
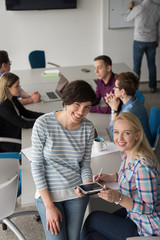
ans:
x=146 y=18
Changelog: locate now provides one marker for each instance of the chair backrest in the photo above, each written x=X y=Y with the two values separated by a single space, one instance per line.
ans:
x=139 y=95
x=9 y=178
x=37 y=59
x=154 y=122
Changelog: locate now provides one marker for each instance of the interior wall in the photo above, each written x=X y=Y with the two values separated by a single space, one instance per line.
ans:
x=69 y=37
x=118 y=44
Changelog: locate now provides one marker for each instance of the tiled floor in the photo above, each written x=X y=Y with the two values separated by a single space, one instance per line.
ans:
x=151 y=99
x=33 y=230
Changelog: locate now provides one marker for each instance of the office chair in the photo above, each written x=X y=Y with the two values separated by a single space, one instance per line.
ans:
x=37 y=59
x=154 y=123
x=9 y=178
x=139 y=95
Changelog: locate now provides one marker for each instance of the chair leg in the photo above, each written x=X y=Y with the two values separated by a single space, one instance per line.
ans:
x=37 y=218
x=4 y=226
x=14 y=229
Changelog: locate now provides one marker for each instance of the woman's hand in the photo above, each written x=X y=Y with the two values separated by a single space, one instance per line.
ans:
x=101 y=179
x=53 y=219
x=109 y=195
x=104 y=178
x=78 y=192
x=35 y=96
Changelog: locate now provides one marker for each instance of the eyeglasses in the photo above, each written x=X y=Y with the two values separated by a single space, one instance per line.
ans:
x=116 y=87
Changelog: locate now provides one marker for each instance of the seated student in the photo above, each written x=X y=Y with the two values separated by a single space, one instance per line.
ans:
x=12 y=113
x=105 y=83
x=139 y=182
x=24 y=97
x=125 y=87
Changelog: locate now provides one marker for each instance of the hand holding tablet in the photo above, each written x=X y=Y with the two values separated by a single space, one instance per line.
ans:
x=90 y=188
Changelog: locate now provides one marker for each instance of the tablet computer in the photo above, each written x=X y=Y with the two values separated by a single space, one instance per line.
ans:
x=90 y=188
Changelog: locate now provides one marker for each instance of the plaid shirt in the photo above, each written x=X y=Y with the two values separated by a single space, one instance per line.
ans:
x=141 y=181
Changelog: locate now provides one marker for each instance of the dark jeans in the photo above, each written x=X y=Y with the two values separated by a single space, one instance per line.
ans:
x=149 y=48
x=106 y=226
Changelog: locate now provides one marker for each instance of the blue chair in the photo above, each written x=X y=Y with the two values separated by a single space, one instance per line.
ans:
x=139 y=95
x=154 y=123
x=37 y=59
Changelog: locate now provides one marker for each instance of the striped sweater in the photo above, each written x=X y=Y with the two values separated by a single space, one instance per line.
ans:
x=60 y=157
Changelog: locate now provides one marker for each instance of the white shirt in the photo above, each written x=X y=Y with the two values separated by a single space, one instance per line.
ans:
x=146 y=18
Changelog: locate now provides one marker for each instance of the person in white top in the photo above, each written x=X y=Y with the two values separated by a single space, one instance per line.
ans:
x=146 y=18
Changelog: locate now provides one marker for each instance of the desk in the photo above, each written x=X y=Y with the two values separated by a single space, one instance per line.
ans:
x=32 y=80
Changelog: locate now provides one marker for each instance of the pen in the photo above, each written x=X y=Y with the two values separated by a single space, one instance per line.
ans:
x=100 y=172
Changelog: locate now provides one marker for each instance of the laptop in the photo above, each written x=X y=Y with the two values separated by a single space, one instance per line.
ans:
x=56 y=95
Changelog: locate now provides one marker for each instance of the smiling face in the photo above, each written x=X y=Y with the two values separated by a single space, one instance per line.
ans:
x=77 y=111
x=14 y=90
x=125 y=136
x=102 y=71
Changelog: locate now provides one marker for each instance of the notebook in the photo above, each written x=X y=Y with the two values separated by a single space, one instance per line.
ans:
x=56 y=95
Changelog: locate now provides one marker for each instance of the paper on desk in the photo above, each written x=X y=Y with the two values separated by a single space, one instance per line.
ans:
x=27 y=152
x=51 y=73
x=111 y=147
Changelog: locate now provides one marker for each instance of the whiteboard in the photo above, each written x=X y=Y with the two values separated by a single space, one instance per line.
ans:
x=117 y=12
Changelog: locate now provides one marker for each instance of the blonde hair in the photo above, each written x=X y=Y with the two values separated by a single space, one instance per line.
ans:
x=7 y=80
x=141 y=147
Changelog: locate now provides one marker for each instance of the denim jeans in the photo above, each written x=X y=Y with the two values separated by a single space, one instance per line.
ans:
x=107 y=226
x=149 y=48
x=72 y=218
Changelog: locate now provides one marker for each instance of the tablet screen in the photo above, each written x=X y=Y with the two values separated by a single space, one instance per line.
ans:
x=91 y=188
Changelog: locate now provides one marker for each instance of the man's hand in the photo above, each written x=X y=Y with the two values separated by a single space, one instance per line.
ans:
x=131 y=5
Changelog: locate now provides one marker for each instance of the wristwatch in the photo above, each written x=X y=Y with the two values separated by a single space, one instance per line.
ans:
x=114 y=111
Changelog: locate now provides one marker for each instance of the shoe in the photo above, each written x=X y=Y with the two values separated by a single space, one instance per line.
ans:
x=153 y=90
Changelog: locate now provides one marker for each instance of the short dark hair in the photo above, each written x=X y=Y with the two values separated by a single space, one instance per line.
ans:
x=78 y=91
x=106 y=59
x=128 y=81
x=3 y=57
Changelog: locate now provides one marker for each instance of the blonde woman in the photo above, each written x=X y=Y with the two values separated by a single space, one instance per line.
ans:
x=139 y=181
x=12 y=113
